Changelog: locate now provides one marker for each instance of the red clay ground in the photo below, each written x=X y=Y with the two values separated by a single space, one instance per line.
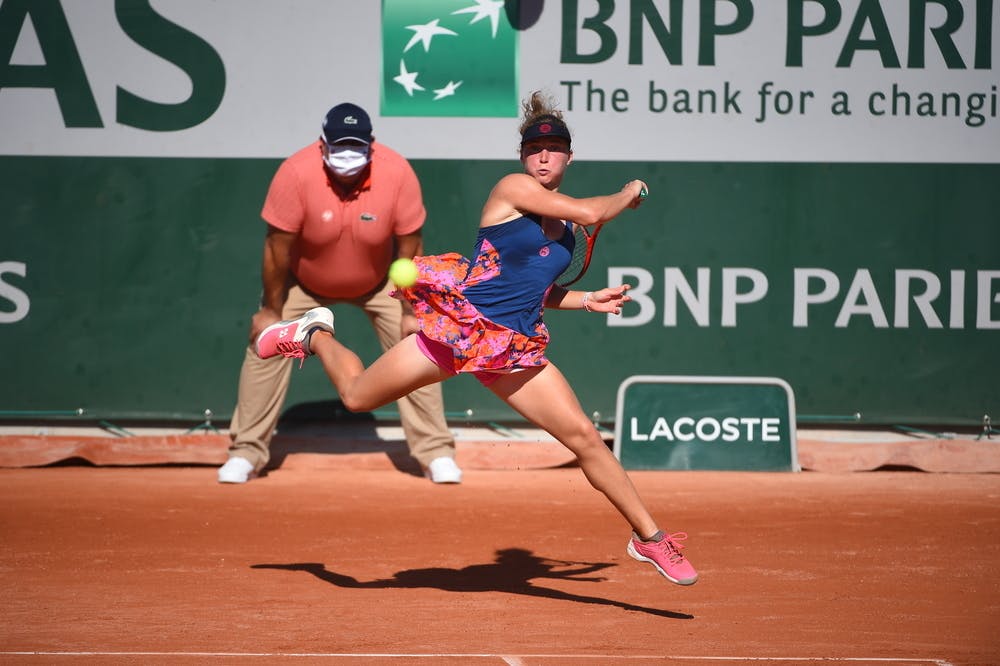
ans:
x=307 y=565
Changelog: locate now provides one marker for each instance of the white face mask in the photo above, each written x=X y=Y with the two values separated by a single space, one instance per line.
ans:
x=346 y=161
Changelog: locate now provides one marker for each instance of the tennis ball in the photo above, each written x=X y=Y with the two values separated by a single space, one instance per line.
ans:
x=403 y=273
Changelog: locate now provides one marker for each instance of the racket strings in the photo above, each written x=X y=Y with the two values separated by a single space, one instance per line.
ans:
x=578 y=261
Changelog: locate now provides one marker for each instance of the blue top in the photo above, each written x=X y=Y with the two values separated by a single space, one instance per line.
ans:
x=529 y=264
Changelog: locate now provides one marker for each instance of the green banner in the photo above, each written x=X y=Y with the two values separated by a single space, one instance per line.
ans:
x=126 y=284
x=706 y=423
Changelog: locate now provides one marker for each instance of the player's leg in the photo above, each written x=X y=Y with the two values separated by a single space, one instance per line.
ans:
x=400 y=370
x=544 y=397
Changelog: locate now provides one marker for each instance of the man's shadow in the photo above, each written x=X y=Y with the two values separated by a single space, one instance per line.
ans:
x=327 y=427
x=513 y=571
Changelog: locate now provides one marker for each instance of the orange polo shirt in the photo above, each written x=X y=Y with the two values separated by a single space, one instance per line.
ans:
x=345 y=240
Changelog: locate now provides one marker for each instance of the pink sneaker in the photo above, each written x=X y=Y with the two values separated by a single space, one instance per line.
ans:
x=665 y=555
x=290 y=338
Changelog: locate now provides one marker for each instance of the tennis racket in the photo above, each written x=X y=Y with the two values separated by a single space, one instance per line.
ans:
x=585 y=237
x=583 y=251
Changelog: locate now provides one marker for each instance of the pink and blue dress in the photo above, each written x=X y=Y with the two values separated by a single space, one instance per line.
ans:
x=488 y=311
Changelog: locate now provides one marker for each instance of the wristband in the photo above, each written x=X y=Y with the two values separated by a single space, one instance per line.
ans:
x=586 y=298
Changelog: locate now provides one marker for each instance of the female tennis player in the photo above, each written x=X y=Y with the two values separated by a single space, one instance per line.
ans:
x=484 y=316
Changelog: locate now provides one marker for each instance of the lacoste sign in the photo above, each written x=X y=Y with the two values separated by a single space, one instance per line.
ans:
x=717 y=423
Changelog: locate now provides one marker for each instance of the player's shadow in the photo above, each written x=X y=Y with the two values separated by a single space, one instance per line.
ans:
x=513 y=571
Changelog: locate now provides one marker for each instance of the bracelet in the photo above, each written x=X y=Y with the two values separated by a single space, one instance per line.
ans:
x=586 y=297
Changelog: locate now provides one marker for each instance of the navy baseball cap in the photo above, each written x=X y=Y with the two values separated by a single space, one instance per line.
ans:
x=347 y=121
x=545 y=126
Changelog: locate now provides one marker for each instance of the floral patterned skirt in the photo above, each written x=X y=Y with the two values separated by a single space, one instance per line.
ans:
x=447 y=316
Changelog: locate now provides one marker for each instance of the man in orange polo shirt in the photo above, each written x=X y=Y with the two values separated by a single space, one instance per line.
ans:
x=338 y=211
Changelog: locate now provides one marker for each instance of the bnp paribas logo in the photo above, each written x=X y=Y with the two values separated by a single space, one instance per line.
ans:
x=448 y=58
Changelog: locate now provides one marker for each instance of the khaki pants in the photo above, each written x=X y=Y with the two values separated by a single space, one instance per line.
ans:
x=264 y=385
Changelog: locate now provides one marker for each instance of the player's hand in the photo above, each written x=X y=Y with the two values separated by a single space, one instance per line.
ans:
x=609 y=300
x=639 y=190
x=261 y=320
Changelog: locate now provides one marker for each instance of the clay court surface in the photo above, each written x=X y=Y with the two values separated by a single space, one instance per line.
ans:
x=161 y=564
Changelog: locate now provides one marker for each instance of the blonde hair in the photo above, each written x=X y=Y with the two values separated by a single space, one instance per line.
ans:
x=541 y=107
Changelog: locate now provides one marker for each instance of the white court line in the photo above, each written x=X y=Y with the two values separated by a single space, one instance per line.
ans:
x=512 y=660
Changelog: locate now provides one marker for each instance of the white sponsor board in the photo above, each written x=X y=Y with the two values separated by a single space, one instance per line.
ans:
x=656 y=80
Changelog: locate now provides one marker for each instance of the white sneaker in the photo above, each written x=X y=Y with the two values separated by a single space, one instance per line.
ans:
x=444 y=470
x=236 y=470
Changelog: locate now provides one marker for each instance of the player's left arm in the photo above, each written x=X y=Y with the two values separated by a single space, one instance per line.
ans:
x=608 y=300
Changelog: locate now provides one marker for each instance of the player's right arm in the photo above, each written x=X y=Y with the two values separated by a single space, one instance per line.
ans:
x=519 y=194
